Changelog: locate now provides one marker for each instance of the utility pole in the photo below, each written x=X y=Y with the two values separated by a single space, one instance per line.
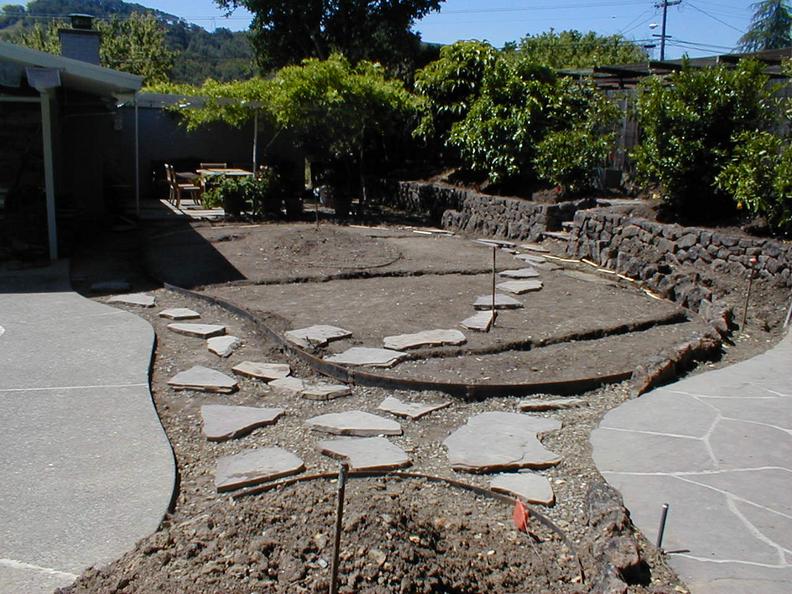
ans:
x=664 y=5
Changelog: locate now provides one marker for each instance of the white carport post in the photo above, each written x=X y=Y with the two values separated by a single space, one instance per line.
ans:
x=49 y=172
x=45 y=81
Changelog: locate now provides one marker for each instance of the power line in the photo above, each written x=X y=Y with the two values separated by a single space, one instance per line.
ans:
x=704 y=12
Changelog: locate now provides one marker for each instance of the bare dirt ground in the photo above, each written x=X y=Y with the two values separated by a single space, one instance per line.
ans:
x=400 y=536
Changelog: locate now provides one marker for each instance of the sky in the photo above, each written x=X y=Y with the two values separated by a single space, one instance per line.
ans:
x=696 y=27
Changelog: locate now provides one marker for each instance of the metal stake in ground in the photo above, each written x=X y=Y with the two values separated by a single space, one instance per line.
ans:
x=343 y=470
x=748 y=293
x=661 y=530
x=494 y=256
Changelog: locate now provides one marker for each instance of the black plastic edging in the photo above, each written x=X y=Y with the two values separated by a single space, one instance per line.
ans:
x=365 y=378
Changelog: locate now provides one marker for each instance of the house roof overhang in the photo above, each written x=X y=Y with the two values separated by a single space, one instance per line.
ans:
x=74 y=74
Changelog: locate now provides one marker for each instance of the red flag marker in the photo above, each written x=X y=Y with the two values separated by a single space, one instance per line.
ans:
x=520 y=516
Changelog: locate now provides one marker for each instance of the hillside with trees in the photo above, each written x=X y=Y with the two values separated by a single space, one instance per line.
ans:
x=197 y=53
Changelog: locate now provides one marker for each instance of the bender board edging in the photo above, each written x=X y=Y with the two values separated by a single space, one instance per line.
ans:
x=365 y=378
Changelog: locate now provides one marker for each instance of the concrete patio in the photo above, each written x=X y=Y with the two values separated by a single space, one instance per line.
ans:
x=87 y=469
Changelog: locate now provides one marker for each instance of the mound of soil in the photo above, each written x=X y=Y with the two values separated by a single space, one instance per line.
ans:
x=399 y=536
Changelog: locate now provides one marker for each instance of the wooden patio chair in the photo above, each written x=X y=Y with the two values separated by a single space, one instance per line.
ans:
x=179 y=189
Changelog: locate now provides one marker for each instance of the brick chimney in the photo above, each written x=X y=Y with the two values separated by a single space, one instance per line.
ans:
x=80 y=42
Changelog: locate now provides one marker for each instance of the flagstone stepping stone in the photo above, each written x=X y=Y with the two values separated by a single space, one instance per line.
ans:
x=589 y=277
x=530 y=487
x=425 y=338
x=368 y=357
x=291 y=386
x=412 y=410
x=497 y=243
x=325 y=392
x=354 y=422
x=501 y=302
x=520 y=287
x=495 y=441
x=222 y=422
x=198 y=330
x=203 y=379
x=548 y=266
x=480 y=322
x=223 y=346
x=368 y=453
x=262 y=371
x=254 y=467
x=562 y=235
x=110 y=286
x=520 y=273
x=535 y=247
x=531 y=258
x=538 y=404
x=316 y=336
x=141 y=299
x=179 y=313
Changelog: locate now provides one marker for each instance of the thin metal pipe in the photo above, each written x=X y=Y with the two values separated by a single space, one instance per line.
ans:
x=661 y=530
x=343 y=471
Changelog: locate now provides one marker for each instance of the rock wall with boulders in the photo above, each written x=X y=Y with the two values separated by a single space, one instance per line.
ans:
x=468 y=211
x=673 y=260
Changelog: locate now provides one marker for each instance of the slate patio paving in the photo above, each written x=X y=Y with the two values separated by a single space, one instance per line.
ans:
x=717 y=447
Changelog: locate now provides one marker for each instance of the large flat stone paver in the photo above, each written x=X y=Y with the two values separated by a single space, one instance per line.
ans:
x=87 y=469
x=203 y=379
x=179 y=313
x=494 y=441
x=530 y=487
x=367 y=453
x=367 y=357
x=717 y=447
x=411 y=410
x=221 y=422
x=255 y=466
x=402 y=342
x=197 y=330
x=262 y=371
x=319 y=335
x=520 y=273
x=140 y=299
x=354 y=422
x=501 y=302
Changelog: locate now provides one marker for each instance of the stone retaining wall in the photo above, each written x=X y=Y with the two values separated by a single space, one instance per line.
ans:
x=469 y=211
x=667 y=258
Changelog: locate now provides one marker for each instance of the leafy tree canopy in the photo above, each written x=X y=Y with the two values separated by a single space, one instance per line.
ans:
x=691 y=122
x=286 y=32
x=573 y=49
x=135 y=44
x=771 y=26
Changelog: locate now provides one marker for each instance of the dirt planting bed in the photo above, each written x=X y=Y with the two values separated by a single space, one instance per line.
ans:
x=400 y=535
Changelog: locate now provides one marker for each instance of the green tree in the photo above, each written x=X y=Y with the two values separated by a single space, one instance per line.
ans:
x=336 y=112
x=339 y=112
x=771 y=26
x=135 y=44
x=690 y=123
x=573 y=49
x=512 y=119
x=759 y=177
x=449 y=86
x=285 y=32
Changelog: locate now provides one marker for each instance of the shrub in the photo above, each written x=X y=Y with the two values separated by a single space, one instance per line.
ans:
x=690 y=122
x=449 y=86
x=569 y=159
x=260 y=196
x=759 y=178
